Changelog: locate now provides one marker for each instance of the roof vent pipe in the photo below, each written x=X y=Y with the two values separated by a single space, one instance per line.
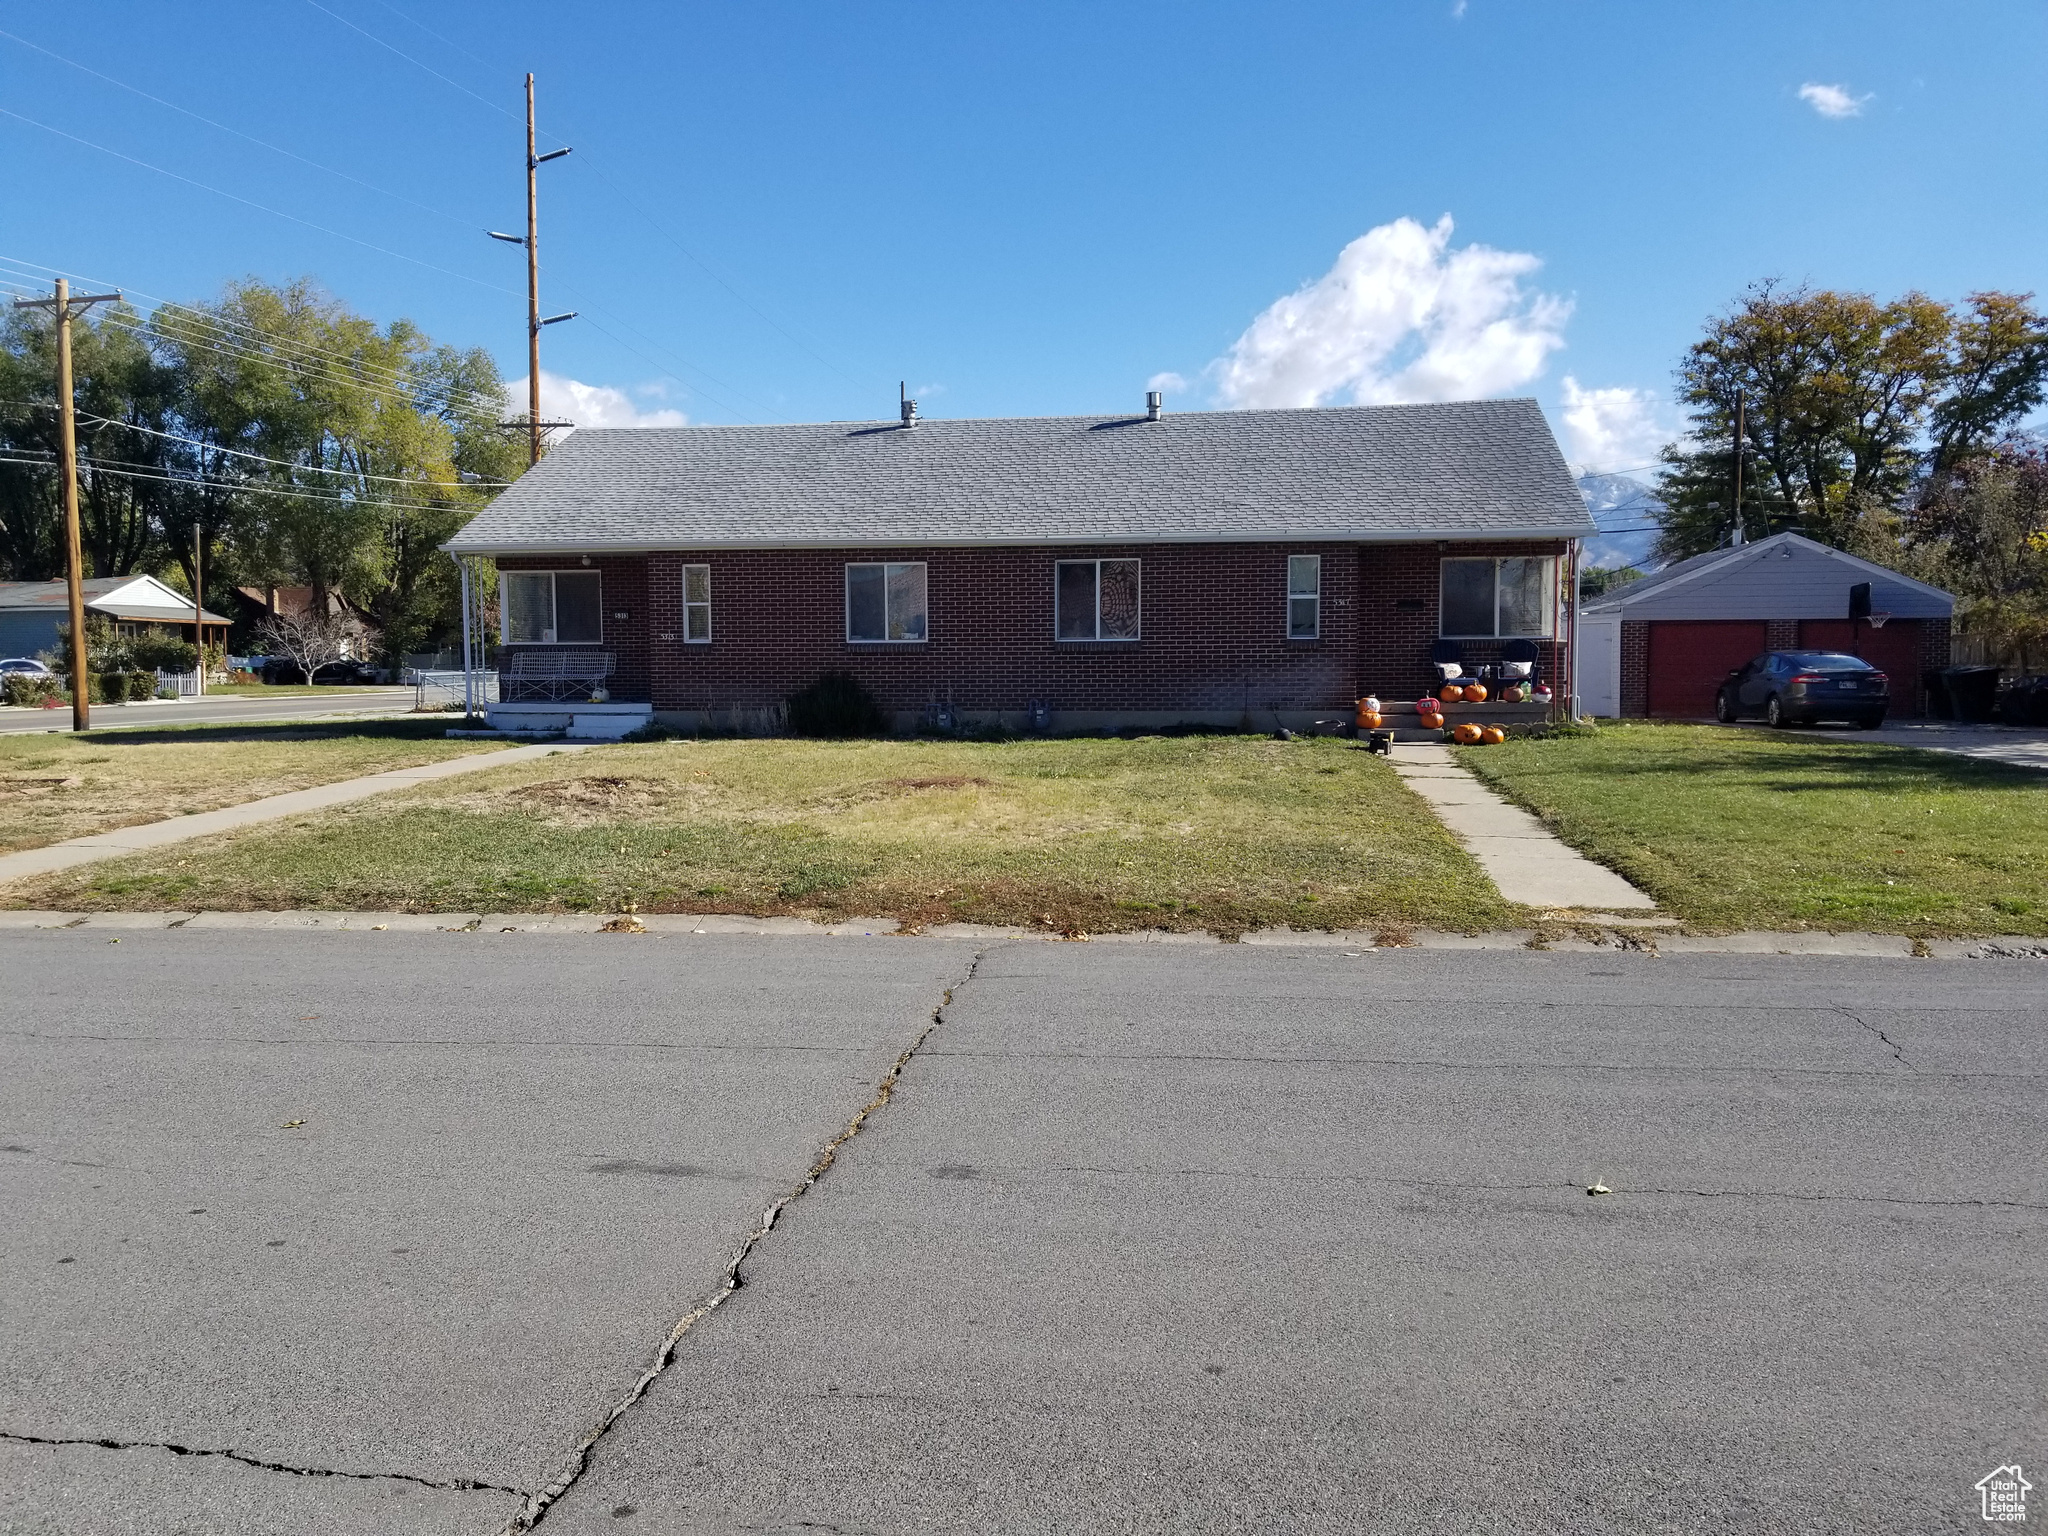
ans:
x=1154 y=401
x=905 y=404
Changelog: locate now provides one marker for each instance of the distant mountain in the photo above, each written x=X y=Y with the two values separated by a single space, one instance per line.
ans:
x=1627 y=506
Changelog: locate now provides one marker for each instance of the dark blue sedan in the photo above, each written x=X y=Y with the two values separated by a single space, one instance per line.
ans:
x=1801 y=687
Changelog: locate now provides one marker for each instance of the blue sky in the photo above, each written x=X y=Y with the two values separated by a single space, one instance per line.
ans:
x=777 y=210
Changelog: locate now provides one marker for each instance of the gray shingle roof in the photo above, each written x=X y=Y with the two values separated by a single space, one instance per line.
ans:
x=1464 y=470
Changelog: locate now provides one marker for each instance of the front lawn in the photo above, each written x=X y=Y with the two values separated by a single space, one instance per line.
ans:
x=1215 y=832
x=53 y=787
x=1745 y=828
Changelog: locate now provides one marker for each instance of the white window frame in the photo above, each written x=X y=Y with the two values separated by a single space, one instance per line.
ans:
x=886 y=566
x=505 y=607
x=1315 y=631
x=1549 y=629
x=689 y=606
x=1098 y=638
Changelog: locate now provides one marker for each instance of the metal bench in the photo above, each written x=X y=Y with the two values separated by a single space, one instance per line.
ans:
x=554 y=674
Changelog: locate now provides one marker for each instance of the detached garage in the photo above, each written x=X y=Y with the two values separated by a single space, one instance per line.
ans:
x=1663 y=645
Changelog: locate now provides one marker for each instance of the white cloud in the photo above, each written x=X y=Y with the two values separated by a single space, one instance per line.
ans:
x=1832 y=100
x=1607 y=430
x=1457 y=10
x=589 y=405
x=1400 y=317
x=1167 y=383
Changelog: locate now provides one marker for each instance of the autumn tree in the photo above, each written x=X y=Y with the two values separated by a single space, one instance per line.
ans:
x=1850 y=406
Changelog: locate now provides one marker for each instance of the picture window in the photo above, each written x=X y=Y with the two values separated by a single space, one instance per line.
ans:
x=1096 y=599
x=885 y=602
x=551 y=608
x=1510 y=597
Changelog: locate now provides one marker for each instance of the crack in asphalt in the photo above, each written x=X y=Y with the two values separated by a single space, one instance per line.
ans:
x=453 y=1485
x=963 y=1173
x=542 y=1500
x=1851 y=1014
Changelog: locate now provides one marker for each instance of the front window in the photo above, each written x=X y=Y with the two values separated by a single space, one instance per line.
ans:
x=1304 y=596
x=1507 y=598
x=1095 y=599
x=697 y=604
x=885 y=603
x=552 y=607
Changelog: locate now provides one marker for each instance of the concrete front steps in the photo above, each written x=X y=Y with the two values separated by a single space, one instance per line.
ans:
x=563 y=719
x=1404 y=719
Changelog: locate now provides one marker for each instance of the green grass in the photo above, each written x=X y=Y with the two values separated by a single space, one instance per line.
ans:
x=54 y=787
x=1746 y=828
x=1220 y=833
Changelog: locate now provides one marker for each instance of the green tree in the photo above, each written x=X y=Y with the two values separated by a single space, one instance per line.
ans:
x=1849 y=405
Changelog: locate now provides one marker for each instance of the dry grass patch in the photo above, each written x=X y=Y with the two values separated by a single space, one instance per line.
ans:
x=54 y=787
x=1222 y=833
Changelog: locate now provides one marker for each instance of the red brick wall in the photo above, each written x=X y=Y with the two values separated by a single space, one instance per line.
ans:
x=1399 y=599
x=1214 y=629
x=1635 y=668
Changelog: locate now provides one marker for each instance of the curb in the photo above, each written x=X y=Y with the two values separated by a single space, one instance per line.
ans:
x=1867 y=946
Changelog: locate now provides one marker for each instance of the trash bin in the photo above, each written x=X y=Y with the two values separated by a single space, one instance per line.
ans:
x=1972 y=690
x=1939 y=705
x=2024 y=701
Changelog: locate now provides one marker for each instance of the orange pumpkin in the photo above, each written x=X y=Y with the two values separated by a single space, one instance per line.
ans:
x=1368 y=719
x=1475 y=693
x=1466 y=735
x=1492 y=736
x=1451 y=693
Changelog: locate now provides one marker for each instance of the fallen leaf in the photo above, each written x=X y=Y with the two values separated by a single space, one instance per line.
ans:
x=291 y=1125
x=1597 y=1188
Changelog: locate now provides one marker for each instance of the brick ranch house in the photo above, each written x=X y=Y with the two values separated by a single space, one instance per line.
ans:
x=1225 y=568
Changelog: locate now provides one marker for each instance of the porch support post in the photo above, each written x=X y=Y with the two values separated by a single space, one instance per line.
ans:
x=468 y=670
x=1571 y=642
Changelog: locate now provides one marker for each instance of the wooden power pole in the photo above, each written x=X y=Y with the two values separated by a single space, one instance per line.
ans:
x=1738 y=467
x=531 y=241
x=67 y=467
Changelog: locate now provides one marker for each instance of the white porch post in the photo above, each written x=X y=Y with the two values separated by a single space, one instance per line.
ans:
x=1571 y=643
x=468 y=670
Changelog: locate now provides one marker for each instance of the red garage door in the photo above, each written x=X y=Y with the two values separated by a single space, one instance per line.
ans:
x=1894 y=650
x=1689 y=662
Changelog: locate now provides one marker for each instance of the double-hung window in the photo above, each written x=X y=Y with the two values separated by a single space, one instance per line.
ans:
x=885 y=602
x=1095 y=599
x=1510 y=597
x=696 y=605
x=1304 y=596
x=551 y=608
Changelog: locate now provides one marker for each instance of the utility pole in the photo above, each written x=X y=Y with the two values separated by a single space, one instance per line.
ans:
x=198 y=610
x=532 y=243
x=67 y=463
x=1738 y=469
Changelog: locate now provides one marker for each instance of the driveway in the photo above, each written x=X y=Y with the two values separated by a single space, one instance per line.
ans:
x=381 y=1229
x=344 y=702
x=2024 y=747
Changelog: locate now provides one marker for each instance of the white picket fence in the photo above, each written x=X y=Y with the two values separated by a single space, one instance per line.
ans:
x=186 y=684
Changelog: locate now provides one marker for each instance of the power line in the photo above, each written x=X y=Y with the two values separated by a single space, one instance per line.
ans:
x=412 y=61
x=129 y=426
x=238 y=133
x=251 y=203
x=101 y=467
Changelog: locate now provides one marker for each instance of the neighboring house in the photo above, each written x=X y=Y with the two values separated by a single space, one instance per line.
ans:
x=31 y=611
x=296 y=602
x=1663 y=645
x=1223 y=567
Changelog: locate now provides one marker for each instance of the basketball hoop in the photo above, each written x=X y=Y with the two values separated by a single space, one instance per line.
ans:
x=1878 y=620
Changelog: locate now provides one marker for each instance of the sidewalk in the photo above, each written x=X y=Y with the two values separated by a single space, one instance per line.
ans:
x=178 y=829
x=1521 y=855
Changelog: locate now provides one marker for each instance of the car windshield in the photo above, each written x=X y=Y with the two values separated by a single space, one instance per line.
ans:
x=1826 y=661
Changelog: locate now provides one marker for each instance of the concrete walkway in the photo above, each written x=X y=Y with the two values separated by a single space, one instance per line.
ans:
x=1523 y=857
x=178 y=829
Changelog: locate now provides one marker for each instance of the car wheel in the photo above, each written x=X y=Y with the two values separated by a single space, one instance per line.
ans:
x=1724 y=708
x=1774 y=712
x=1869 y=722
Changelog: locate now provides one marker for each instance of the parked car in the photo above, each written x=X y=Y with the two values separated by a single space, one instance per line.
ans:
x=26 y=664
x=1801 y=687
x=280 y=669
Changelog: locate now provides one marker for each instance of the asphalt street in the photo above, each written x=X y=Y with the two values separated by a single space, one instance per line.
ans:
x=373 y=1231
x=217 y=711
